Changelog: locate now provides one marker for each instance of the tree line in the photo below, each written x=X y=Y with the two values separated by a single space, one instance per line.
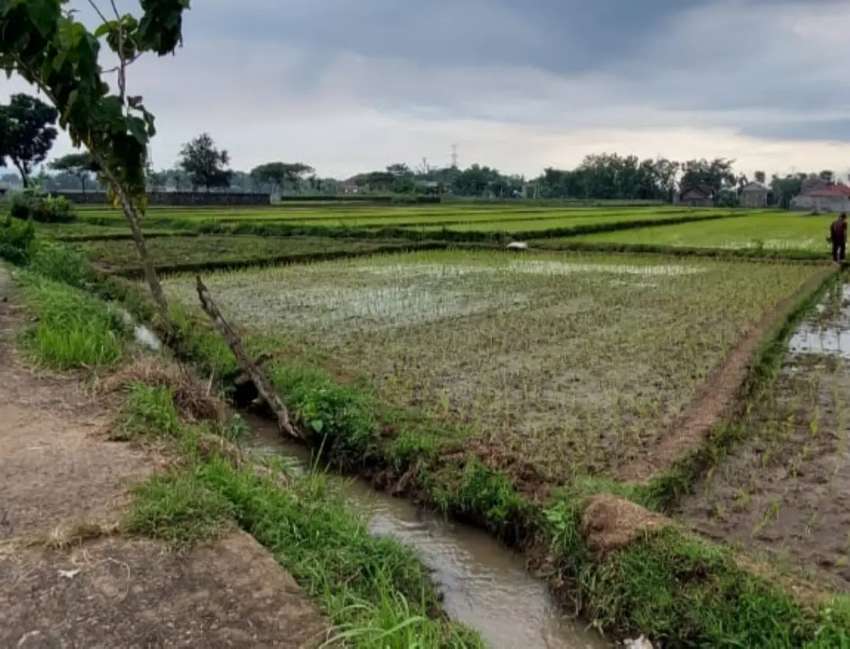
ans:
x=27 y=133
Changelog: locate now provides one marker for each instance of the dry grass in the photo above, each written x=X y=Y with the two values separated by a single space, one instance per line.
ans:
x=194 y=399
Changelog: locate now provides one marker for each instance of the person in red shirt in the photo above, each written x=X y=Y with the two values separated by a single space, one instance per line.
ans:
x=838 y=237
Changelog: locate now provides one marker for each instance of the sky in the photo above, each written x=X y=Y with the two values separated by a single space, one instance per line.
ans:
x=517 y=84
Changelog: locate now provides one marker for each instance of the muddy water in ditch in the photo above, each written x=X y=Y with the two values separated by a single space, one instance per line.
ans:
x=483 y=584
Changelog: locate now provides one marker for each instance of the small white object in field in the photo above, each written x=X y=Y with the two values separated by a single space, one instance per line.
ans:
x=69 y=574
x=640 y=643
x=517 y=245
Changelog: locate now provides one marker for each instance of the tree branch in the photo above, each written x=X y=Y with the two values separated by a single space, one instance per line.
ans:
x=261 y=381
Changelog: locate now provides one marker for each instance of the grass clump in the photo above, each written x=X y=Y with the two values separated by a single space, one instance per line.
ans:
x=74 y=330
x=474 y=490
x=149 y=410
x=61 y=264
x=339 y=415
x=179 y=509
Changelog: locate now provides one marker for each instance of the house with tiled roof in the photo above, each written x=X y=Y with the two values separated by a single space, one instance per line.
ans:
x=823 y=197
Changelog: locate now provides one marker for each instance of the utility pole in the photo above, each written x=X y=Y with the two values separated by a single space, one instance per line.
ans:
x=454 y=156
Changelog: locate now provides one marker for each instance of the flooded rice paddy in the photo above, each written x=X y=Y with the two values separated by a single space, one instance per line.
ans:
x=577 y=362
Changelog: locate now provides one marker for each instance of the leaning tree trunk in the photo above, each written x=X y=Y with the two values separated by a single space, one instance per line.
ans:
x=256 y=374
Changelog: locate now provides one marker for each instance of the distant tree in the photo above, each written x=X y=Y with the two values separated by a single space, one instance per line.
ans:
x=399 y=169
x=157 y=181
x=827 y=176
x=81 y=165
x=204 y=163
x=785 y=189
x=761 y=177
x=26 y=133
x=665 y=173
x=272 y=173
x=278 y=174
x=295 y=171
x=715 y=174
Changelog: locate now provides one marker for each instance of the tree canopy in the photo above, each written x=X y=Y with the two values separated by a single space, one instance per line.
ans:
x=47 y=46
x=715 y=174
x=205 y=164
x=77 y=164
x=26 y=133
x=278 y=174
x=612 y=176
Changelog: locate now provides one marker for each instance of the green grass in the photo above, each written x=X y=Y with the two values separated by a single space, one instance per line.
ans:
x=451 y=220
x=179 y=509
x=377 y=594
x=684 y=592
x=148 y=410
x=576 y=363
x=779 y=232
x=74 y=330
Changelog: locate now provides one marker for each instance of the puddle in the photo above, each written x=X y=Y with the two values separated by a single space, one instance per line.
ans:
x=828 y=331
x=484 y=585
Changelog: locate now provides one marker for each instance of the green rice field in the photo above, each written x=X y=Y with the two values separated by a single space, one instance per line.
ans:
x=503 y=219
x=575 y=362
x=775 y=231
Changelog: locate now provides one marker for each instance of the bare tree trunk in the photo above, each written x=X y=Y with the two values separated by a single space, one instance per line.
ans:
x=261 y=381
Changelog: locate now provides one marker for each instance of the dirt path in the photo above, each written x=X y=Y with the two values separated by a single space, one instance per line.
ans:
x=58 y=473
x=717 y=397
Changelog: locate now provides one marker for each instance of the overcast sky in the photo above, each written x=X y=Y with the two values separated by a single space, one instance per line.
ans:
x=521 y=85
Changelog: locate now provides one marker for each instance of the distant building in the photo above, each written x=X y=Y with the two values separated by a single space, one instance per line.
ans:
x=822 y=196
x=698 y=196
x=754 y=196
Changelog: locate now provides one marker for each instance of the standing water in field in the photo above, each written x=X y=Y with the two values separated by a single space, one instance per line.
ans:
x=828 y=332
x=484 y=585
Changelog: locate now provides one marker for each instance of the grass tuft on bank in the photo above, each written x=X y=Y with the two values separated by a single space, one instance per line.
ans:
x=73 y=330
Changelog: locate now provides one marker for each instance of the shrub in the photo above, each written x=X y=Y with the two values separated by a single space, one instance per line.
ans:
x=16 y=239
x=37 y=206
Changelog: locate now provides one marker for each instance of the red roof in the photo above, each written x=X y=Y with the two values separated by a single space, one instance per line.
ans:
x=832 y=191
